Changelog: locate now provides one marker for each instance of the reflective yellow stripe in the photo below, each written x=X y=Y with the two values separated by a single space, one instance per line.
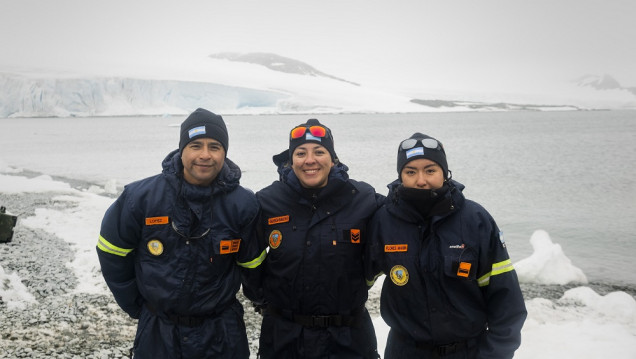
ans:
x=497 y=268
x=370 y=283
x=255 y=262
x=107 y=247
x=502 y=267
x=484 y=280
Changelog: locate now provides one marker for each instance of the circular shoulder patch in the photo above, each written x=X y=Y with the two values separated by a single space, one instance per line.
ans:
x=275 y=238
x=155 y=247
x=399 y=275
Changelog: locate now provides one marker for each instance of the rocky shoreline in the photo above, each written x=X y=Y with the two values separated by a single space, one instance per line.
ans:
x=65 y=324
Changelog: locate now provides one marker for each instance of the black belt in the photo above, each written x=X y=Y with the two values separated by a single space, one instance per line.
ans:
x=190 y=321
x=444 y=349
x=441 y=349
x=320 y=321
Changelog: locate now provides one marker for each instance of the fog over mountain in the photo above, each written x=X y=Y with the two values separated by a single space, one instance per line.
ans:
x=263 y=83
x=603 y=82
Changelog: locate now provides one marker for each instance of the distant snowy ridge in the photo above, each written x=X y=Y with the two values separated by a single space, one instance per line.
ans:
x=276 y=63
x=258 y=83
x=602 y=82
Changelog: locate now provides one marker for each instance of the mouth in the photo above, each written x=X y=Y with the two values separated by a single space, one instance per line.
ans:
x=311 y=171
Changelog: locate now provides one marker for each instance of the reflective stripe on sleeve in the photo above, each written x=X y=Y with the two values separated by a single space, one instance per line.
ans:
x=255 y=262
x=108 y=247
x=497 y=268
x=370 y=283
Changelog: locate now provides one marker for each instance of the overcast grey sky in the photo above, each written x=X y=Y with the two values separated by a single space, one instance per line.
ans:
x=433 y=44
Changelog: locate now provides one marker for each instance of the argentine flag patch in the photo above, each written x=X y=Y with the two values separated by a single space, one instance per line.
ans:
x=311 y=137
x=196 y=131
x=417 y=151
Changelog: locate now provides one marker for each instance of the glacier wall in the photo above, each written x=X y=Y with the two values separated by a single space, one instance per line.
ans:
x=38 y=96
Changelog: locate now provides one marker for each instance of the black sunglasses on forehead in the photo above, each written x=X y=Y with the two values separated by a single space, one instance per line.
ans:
x=426 y=142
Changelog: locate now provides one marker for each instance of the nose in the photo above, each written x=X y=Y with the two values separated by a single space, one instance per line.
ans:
x=205 y=153
x=421 y=181
x=310 y=158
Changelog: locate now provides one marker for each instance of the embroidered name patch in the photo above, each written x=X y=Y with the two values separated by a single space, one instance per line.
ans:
x=276 y=220
x=151 y=221
x=230 y=246
x=390 y=248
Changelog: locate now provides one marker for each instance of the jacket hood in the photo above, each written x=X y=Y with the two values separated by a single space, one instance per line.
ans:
x=227 y=180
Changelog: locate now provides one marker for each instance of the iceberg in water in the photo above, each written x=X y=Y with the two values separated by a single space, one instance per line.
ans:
x=548 y=264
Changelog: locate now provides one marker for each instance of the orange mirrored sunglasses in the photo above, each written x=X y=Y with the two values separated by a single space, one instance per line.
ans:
x=316 y=131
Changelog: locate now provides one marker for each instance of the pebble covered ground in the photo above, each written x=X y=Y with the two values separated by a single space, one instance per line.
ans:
x=62 y=323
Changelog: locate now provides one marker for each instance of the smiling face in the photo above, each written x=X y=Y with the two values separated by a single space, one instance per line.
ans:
x=312 y=163
x=422 y=173
x=202 y=161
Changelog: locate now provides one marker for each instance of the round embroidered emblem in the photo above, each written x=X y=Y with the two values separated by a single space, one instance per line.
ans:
x=275 y=238
x=399 y=275
x=155 y=247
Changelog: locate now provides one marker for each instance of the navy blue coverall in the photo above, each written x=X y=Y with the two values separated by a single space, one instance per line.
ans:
x=450 y=289
x=171 y=253
x=314 y=285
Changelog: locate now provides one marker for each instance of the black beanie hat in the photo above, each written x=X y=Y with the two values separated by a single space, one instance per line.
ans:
x=203 y=123
x=326 y=141
x=419 y=146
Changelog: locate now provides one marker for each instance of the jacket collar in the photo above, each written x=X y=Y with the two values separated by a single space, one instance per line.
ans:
x=399 y=208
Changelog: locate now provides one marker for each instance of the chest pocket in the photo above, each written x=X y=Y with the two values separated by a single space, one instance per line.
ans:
x=343 y=243
x=461 y=263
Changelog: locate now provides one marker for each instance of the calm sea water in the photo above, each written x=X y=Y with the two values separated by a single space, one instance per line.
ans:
x=569 y=173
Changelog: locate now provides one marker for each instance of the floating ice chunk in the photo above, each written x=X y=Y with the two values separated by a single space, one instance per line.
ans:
x=548 y=264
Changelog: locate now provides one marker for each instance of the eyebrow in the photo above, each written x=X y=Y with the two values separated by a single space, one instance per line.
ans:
x=425 y=167
x=306 y=146
x=200 y=141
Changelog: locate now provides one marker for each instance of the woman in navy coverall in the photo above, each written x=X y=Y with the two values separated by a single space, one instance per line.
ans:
x=450 y=289
x=314 y=221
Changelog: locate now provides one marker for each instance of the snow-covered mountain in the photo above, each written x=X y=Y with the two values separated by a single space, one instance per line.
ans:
x=276 y=62
x=603 y=82
x=255 y=83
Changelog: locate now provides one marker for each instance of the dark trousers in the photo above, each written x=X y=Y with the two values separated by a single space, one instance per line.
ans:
x=401 y=347
x=282 y=337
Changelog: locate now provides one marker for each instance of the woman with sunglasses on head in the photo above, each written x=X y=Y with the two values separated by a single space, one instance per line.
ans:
x=314 y=222
x=450 y=289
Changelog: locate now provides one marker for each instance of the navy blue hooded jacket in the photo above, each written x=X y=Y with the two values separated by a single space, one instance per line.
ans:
x=315 y=261
x=448 y=277
x=177 y=249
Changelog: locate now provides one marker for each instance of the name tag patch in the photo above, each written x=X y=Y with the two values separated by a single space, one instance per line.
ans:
x=390 y=248
x=276 y=220
x=151 y=221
